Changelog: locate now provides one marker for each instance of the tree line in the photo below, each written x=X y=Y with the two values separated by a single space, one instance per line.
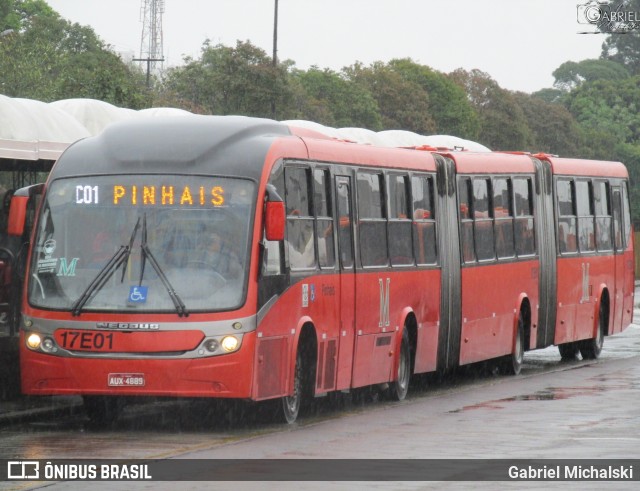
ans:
x=591 y=111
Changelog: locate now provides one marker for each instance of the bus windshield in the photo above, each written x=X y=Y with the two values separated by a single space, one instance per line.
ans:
x=143 y=243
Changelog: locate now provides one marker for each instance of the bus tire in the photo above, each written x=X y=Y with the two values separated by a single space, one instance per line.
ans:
x=512 y=364
x=399 y=388
x=590 y=348
x=569 y=351
x=291 y=404
x=101 y=410
x=304 y=377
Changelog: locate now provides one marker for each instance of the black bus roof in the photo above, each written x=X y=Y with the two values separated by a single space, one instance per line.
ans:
x=167 y=145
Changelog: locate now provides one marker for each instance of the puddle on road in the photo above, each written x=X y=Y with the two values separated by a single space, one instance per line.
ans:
x=621 y=381
x=550 y=394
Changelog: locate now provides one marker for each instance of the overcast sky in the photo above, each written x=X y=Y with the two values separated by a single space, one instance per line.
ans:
x=518 y=42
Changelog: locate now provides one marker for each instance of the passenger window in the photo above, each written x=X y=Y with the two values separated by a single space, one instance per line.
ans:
x=300 y=222
x=584 y=207
x=503 y=214
x=483 y=223
x=373 y=224
x=603 y=215
x=400 y=243
x=524 y=232
x=424 y=223
x=466 y=220
x=567 y=222
x=617 y=218
x=626 y=215
x=324 y=218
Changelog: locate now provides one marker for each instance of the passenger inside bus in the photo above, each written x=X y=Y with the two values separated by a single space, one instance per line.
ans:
x=222 y=258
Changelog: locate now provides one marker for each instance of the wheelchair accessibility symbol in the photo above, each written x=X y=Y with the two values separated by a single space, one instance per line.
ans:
x=138 y=294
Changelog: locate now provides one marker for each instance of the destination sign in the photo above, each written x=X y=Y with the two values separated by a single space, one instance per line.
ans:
x=151 y=195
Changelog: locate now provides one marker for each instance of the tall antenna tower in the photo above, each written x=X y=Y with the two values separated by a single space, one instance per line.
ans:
x=151 y=50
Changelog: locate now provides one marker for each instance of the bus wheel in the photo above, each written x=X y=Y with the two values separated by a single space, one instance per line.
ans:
x=569 y=351
x=101 y=410
x=590 y=348
x=512 y=363
x=291 y=404
x=400 y=387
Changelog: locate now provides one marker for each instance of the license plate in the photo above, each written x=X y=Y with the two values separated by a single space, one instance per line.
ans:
x=125 y=380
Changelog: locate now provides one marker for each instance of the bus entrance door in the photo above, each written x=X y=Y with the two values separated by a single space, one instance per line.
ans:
x=347 y=281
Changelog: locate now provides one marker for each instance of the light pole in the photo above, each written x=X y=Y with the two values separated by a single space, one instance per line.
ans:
x=275 y=58
x=275 y=34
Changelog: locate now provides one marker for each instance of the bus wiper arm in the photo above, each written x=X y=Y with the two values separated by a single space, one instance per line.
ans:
x=146 y=254
x=120 y=256
x=101 y=278
x=131 y=240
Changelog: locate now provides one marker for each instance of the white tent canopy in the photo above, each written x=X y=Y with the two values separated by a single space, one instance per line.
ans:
x=32 y=130
x=94 y=115
x=390 y=138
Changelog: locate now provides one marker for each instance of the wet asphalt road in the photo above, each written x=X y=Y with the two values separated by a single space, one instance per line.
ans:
x=554 y=409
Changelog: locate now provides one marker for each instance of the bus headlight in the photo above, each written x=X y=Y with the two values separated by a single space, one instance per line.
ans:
x=37 y=342
x=48 y=345
x=230 y=343
x=211 y=345
x=34 y=340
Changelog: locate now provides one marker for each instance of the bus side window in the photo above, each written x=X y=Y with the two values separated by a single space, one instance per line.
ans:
x=400 y=243
x=424 y=224
x=524 y=231
x=300 y=222
x=584 y=208
x=603 y=215
x=324 y=218
x=567 y=226
x=617 y=218
x=372 y=227
x=503 y=215
x=626 y=215
x=466 y=220
x=483 y=221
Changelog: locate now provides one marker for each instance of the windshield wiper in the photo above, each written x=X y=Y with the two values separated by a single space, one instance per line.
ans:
x=131 y=240
x=146 y=254
x=101 y=278
x=121 y=256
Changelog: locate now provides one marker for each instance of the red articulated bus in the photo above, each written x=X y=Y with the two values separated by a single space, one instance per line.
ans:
x=233 y=257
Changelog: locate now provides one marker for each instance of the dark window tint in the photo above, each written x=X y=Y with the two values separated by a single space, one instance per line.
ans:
x=300 y=222
x=400 y=243
x=466 y=221
x=483 y=225
x=584 y=207
x=626 y=215
x=567 y=223
x=373 y=223
x=345 y=236
x=524 y=232
x=324 y=220
x=503 y=214
x=424 y=225
x=297 y=191
x=603 y=215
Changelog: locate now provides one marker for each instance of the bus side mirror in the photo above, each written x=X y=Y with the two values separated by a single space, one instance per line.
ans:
x=274 y=220
x=17 y=215
x=23 y=201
